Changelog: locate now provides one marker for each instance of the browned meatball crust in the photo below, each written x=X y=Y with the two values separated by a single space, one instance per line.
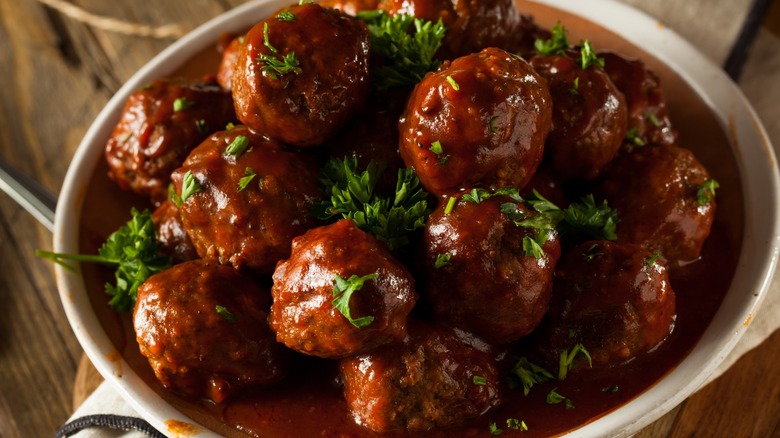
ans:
x=228 y=62
x=654 y=190
x=160 y=124
x=648 y=116
x=477 y=275
x=352 y=7
x=171 y=233
x=589 y=116
x=613 y=298
x=437 y=377
x=326 y=85
x=303 y=313
x=488 y=132
x=251 y=227
x=203 y=328
x=472 y=25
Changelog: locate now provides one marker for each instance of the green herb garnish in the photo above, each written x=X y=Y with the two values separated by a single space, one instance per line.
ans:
x=479 y=380
x=452 y=82
x=135 y=253
x=652 y=259
x=556 y=45
x=442 y=260
x=584 y=220
x=633 y=137
x=342 y=292
x=249 y=175
x=612 y=388
x=527 y=374
x=515 y=424
x=494 y=430
x=190 y=186
x=408 y=45
x=566 y=360
x=181 y=104
x=706 y=191
x=285 y=16
x=226 y=314
x=588 y=56
x=238 y=146
x=554 y=398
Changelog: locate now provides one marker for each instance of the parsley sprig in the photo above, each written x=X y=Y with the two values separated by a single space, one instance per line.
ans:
x=406 y=43
x=133 y=250
x=556 y=44
x=352 y=195
x=706 y=191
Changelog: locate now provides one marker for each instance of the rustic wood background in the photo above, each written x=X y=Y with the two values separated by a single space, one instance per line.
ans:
x=57 y=74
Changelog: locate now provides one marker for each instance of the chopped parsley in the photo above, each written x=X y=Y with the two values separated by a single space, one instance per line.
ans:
x=650 y=116
x=406 y=43
x=238 y=146
x=450 y=204
x=494 y=429
x=285 y=16
x=350 y=193
x=566 y=360
x=527 y=374
x=436 y=148
x=556 y=45
x=706 y=191
x=452 y=82
x=276 y=67
x=612 y=388
x=588 y=56
x=135 y=253
x=249 y=175
x=515 y=424
x=182 y=104
x=203 y=128
x=442 y=260
x=226 y=314
x=633 y=137
x=584 y=220
x=190 y=186
x=479 y=380
x=591 y=253
x=554 y=398
x=492 y=125
x=342 y=292
x=652 y=259
x=575 y=87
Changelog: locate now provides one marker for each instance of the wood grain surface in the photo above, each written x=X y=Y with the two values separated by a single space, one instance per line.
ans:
x=57 y=74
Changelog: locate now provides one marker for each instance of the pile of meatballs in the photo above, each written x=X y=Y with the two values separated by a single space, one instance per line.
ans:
x=252 y=288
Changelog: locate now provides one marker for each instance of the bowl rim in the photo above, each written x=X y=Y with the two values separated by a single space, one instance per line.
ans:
x=750 y=143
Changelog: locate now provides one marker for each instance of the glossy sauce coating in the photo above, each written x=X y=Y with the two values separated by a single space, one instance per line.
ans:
x=489 y=286
x=303 y=315
x=352 y=7
x=614 y=298
x=251 y=228
x=426 y=382
x=589 y=116
x=171 y=233
x=491 y=130
x=305 y=106
x=229 y=60
x=195 y=349
x=155 y=133
x=654 y=189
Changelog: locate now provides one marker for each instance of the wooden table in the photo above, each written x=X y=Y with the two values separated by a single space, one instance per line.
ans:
x=57 y=74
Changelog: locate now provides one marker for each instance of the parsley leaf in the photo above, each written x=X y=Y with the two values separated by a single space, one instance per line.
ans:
x=442 y=260
x=515 y=424
x=285 y=16
x=226 y=314
x=554 y=398
x=584 y=220
x=352 y=196
x=633 y=137
x=190 y=186
x=408 y=45
x=182 y=104
x=275 y=68
x=527 y=374
x=588 y=56
x=343 y=290
x=650 y=261
x=494 y=430
x=455 y=85
x=566 y=360
x=706 y=191
x=479 y=380
x=238 y=146
x=249 y=175
x=133 y=250
x=556 y=45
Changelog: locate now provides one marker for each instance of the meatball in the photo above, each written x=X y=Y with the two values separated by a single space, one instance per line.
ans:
x=648 y=117
x=437 y=377
x=613 y=298
x=589 y=116
x=655 y=190
x=203 y=328
x=228 y=62
x=472 y=25
x=171 y=233
x=478 y=275
x=352 y=7
x=244 y=208
x=481 y=120
x=322 y=79
x=160 y=124
x=323 y=269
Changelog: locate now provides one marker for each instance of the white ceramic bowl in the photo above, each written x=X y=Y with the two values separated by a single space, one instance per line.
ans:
x=755 y=161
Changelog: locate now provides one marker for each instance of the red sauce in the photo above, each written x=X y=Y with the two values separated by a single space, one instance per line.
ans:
x=309 y=401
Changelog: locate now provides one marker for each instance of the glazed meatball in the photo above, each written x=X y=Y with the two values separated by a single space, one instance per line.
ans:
x=323 y=82
x=228 y=62
x=171 y=233
x=472 y=25
x=160 y=124
x=613 y=298
x=477 y=275
x=479 y=121
x=437 y=377
x=320 y=272
x=589 y=116
x=352 y=7
x=648 y=117
x=203 y=328
x=245 y=207
x=655 y=192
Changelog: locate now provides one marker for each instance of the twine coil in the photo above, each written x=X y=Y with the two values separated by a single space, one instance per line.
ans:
x=113 y=24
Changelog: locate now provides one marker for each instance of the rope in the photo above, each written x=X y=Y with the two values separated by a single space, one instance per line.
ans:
x=113 y=24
